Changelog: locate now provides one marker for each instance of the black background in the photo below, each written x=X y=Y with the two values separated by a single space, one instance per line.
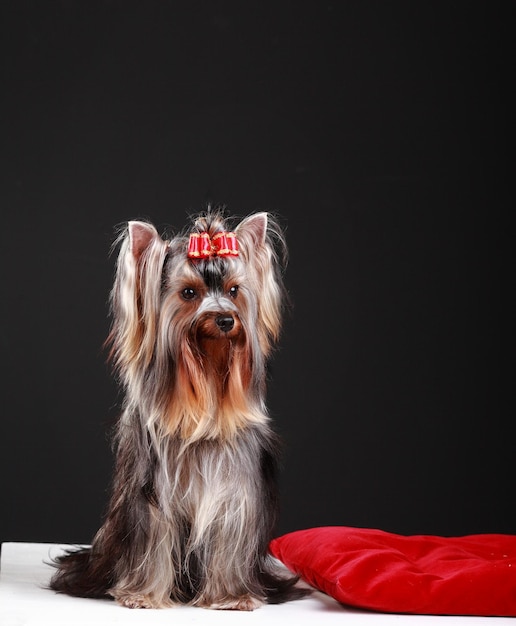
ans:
x=379 y=132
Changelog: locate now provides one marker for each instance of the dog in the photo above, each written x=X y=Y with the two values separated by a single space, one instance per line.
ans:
x=194 y=495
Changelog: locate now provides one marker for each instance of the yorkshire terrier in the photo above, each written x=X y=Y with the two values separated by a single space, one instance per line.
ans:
x=194 y=495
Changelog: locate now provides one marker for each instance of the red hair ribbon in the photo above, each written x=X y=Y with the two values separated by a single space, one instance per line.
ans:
x=201 y=246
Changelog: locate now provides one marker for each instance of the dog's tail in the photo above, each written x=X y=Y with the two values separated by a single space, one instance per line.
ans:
x=281 y=586
x=81 y=573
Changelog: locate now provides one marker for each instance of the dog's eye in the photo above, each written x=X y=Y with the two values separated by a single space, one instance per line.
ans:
x=188 y=293
x=233 y=292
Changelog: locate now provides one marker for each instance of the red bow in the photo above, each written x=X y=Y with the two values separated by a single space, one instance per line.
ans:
x=201 y=246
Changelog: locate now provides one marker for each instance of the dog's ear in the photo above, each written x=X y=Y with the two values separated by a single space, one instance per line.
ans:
x=141 y=235
x=135 y=297
x=254 y=227
x=262 y=247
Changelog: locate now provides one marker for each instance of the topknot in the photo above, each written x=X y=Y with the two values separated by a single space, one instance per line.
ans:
x=211 y=221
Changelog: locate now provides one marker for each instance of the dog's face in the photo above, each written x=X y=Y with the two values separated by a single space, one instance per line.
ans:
x=209 y=309
x=207 y=300
x=204 y=303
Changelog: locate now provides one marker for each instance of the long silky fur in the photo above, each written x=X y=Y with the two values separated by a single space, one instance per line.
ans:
x=194 y=494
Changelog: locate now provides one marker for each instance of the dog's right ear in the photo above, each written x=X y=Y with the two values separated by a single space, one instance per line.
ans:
x=141 y=235
x=135 y=297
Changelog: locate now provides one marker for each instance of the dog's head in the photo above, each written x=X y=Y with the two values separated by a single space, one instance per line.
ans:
x=195 y=316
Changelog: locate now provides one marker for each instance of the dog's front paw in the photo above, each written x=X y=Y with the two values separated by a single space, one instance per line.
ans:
x=138 y=601
x=134 y=601
x=242 y=603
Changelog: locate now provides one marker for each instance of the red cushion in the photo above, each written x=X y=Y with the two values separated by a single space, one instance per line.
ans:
x=421 y=574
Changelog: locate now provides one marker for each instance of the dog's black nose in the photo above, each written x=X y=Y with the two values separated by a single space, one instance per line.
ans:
x=225 y=323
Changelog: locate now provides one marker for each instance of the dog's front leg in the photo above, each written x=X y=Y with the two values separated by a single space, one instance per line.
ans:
x=145 y=573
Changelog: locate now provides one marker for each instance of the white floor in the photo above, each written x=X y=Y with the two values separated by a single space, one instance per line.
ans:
x=24 y=601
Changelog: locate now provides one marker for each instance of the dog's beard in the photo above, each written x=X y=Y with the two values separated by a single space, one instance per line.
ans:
x=216 y=346
x=214 y=393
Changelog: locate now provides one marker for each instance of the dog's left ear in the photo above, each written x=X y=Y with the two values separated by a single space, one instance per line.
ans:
x=254 y=227
x=262 y=246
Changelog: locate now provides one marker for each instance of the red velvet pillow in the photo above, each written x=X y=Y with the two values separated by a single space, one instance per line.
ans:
x=421 y=574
